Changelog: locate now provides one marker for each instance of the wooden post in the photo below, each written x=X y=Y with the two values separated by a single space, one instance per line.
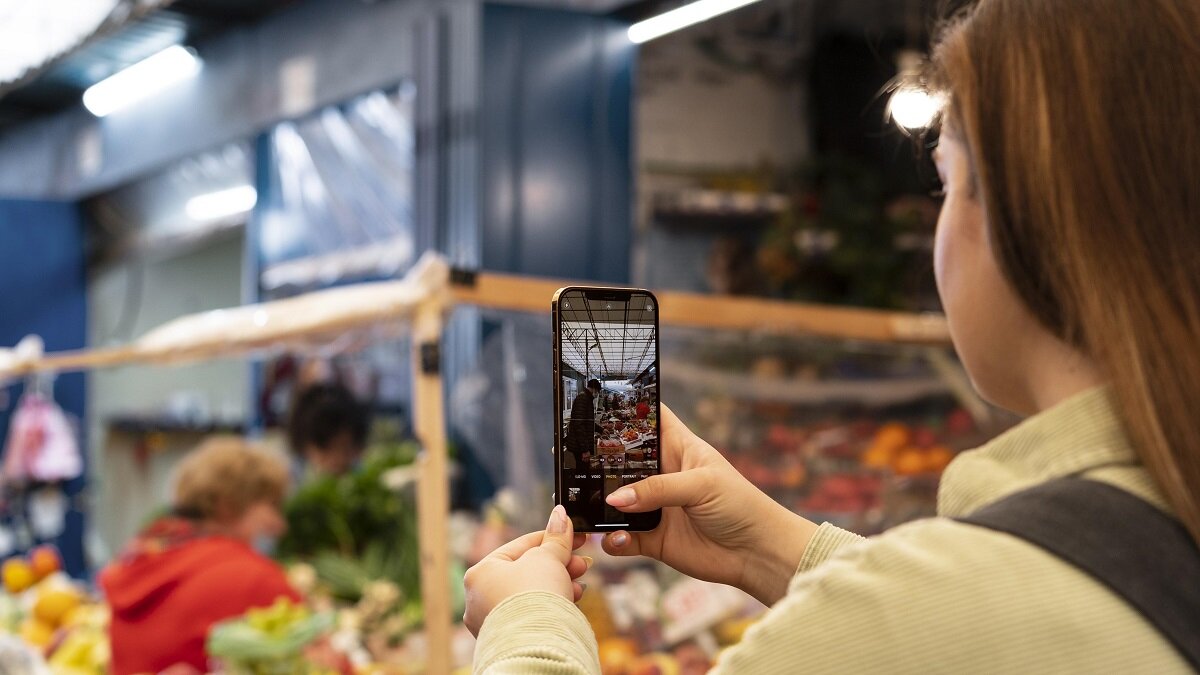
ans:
x=433 y=497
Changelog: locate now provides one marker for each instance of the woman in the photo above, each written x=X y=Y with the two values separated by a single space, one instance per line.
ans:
x=1066 y=258
x=199 y=565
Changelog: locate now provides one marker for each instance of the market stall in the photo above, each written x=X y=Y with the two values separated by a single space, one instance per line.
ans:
x=418 y=305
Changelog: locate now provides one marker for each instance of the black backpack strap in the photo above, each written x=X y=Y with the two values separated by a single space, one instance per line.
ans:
x=1142 y=554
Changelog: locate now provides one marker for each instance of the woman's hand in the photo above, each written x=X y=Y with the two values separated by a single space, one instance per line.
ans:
x=538 y=561
x=715 y=524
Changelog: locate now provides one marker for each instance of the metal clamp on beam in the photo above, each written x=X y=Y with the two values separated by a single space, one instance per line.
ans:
x=461 y=276
x=431 y=358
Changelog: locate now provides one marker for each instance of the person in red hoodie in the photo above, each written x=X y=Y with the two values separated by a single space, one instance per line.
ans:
x=199 y=565
x=643 y=407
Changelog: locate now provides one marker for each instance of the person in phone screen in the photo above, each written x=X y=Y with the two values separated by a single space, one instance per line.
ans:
x=581 y=433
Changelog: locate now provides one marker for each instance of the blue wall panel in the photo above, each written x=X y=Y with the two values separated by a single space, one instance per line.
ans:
x=44 y=292
x=555 y=120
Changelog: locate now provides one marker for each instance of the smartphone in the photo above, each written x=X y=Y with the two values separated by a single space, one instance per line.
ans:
x=606 y=404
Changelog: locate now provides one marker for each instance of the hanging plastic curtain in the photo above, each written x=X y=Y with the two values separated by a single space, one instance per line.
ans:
x=341 y=206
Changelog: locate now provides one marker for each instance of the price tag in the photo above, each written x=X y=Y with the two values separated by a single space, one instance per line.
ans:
x=47 y=513
x=692 y=606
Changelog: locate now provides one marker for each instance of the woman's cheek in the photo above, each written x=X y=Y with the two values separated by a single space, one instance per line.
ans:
x=941 y=252
x=955 y=262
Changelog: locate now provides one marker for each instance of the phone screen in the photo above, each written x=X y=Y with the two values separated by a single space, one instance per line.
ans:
x=607 y=402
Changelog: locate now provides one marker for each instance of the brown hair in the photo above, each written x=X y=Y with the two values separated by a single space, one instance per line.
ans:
x=225 y=475
x=1080 y=119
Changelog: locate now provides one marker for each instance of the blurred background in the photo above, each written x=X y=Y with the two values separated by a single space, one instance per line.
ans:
x=160 y=158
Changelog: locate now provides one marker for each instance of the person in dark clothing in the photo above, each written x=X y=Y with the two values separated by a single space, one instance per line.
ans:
x=328 y=428
x=581 y=439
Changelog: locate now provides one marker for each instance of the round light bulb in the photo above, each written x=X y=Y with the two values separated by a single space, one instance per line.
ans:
x=913 y=108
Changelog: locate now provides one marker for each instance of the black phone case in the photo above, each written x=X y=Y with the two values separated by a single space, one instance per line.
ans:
x=640 y=522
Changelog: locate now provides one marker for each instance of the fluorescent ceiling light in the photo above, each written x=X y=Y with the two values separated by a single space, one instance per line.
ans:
x=222 y=203
x=141 y=80
x=685 y=16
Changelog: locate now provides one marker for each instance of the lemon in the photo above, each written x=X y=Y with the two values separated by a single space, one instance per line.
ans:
x=17 y=574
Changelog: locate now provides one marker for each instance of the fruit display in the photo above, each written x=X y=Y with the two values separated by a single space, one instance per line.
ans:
x=845 y=467
x=269 y=641
x=607 y=446
x=852 y=434
x=18 y=658
x=650 y=620
x=84 y=651
x=53 y=615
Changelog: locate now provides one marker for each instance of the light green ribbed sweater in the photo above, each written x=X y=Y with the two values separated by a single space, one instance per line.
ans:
x=931 y=596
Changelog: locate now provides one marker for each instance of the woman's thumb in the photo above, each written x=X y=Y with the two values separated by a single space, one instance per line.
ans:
x=559 y=535
x=685 y=488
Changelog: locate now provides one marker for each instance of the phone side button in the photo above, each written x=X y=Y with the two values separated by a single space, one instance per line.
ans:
x=553 y=497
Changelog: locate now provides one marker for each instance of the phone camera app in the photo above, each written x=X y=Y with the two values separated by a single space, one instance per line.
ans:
x=608 y=363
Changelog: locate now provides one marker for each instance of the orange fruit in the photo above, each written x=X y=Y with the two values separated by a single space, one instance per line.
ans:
x=17 y=574
x=45 y=561
x=909 y=462
x=892 y=436
x=793 y=476
x=53 y=604
x=36 y=633
x=616 y=655
x=937 y=458
x=878 y=456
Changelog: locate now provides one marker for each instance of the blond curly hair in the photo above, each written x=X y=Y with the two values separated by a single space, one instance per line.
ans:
x=225 y=475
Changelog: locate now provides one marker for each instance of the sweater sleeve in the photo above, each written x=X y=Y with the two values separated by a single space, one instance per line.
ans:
x=827 y=541
x=536 y=633
x=877 y=607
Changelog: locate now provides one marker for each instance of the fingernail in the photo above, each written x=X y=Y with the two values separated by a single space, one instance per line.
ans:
x=587 y=560
x=558 y=521
x=620 y=539
x=623 y=497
